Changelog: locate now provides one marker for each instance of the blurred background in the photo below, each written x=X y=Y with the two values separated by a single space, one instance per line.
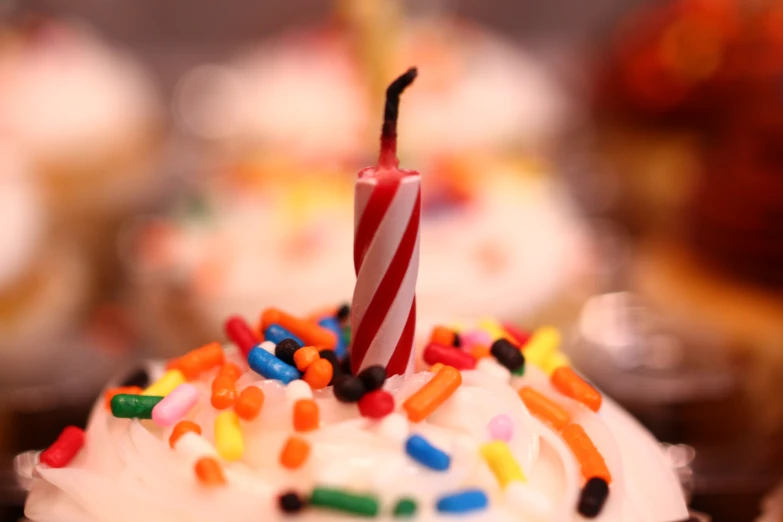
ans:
x=612 y=167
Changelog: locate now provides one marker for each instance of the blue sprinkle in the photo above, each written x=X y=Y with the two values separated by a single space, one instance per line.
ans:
x=463 y=502
x=269 y=366
x=276 y=333
x=333 y=325
x=426 y=454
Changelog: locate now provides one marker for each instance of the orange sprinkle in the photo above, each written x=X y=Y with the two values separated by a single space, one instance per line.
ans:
x=249 y=403
x=295 y=453
x=305 y=356
x=182 y=428
x=123 y=390
x=201 y=359
x=310 y=332
x=479 y=351
x=544 y=408
x=230 y=370
x=430 y=396
x=319 y=374
x=209 y=472
x=569 y=383
x=591 y=462
x=442 y=335
x=306 y=415
x=435 y=368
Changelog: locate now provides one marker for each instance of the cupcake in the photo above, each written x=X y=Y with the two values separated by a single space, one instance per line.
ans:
x=257 y=428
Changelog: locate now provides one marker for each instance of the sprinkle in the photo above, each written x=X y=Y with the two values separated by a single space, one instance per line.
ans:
x=306 y=415
x=166 y=384
x=224 y=387
x=494 y=329
x=420 y=450
x=544 y=408
x=593 y=497
x=124 y=390
x=309 y=332
x=305 y=356
x=475 y=337
x=501 y=427
x=333 y=325
x=329 y=355
x=294 y=453
x=518 y=335
x=507 y=354
x=175 y=405
x=228 y=436
x=319 y=374
x=277 y=334
x=269 y=366
x=542 y=345
x=376 y=404
x=199 y=360
x=338 y=500
x=442 y=335
x=249 y=403
x=181 y=429
x=501 y=461
x=344 y=313
x=133 y=406
x=373 y=377
x=479 y=351
x=448 y=355
x=569 y=383
x=269 y=346
x=555 y=362
x=64 y=449
x=430 y=396
x=591 y=462
x=394 y=426
x=348 y=388
x=290 y=502
x=491 y=367
x=463 y=502
x=405 y=508
x=193 y=447
x=286 y=348
x=297 y=390
x=241 y=334
x=209 y=472
x=528 y=502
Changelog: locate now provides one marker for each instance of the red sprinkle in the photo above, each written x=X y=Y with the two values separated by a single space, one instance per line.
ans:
x=518 y=334
x=64 y=449
x=376 y=404
x=449 y=355
x=241 y=334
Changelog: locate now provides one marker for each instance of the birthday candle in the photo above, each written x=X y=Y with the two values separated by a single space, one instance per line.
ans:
x=386 y=252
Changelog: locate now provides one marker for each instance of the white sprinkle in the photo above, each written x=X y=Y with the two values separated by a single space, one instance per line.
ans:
x=269 y=346
x=525 y=501
x=193 y=447
x=298 y=390
x=490 y=366
x=394 y=426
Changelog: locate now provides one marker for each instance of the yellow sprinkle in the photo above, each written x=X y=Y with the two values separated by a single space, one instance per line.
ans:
x=543 y=345
x=228 y=436
x=166 y=384
x=493 y=328
x=500 y=460
x=555 y=361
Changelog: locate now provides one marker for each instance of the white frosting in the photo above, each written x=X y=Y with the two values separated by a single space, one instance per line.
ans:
x=503 y=255
x=305 y=96
x=64 y=94
x=127 y=472
x=21 y=212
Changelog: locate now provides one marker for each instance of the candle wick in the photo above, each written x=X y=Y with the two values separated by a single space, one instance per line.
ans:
x=391 y=111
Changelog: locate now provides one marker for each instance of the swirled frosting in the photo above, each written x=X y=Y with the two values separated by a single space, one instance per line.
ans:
x=127 y=471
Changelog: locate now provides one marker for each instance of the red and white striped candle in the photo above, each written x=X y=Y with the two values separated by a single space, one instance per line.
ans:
x=386 y=253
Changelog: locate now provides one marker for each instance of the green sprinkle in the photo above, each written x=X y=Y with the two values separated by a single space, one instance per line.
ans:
x=133 y=406
x=519 y=371
x=347 y=335
x=406 y=507
x=364 y=505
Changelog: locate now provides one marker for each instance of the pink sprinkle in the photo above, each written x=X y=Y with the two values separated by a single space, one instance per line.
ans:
x=475 y=338
x=501 y=427
x=175 y=405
